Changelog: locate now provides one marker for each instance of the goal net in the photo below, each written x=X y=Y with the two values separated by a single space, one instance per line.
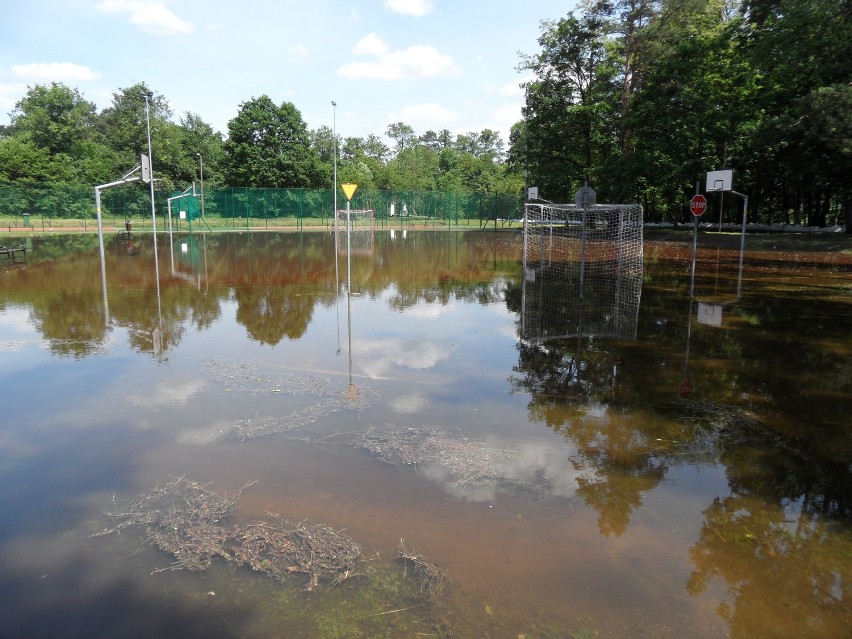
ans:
x=582 y=270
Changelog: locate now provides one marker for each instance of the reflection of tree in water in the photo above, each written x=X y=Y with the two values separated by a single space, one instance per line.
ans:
x=271 y=313
x=446 y=291
x=67 y=322
x=571 y=390
x=781 y=538
x=787 y=576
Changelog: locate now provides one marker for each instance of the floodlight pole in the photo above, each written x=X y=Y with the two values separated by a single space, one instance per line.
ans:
x=334 y=140
x=149 y=95
x=201 y=171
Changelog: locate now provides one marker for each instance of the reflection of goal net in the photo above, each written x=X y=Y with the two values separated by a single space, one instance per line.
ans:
x=582 y=270
x=362 y=231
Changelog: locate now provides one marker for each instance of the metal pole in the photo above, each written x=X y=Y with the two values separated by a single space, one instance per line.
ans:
x=334 y=136
x=694 y=245
x=201 y=169
x=583 y=238
x=103 y=258
x=348 y=252
x=148 y=95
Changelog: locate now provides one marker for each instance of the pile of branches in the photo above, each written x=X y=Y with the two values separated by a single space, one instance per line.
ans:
x=282 y=548
x=432 y=580
x=188 y=521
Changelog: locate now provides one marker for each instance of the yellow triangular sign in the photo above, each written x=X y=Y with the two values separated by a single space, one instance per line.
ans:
x=349 y=189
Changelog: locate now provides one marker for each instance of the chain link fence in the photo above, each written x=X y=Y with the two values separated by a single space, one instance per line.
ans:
x=44 y=208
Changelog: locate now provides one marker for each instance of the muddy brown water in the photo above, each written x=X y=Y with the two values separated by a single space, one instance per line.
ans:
x=567 y=481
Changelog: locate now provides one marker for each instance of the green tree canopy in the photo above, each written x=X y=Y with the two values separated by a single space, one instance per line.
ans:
x=269 y=146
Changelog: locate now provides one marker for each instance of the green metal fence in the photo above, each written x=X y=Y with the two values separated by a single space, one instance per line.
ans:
x=43 y=207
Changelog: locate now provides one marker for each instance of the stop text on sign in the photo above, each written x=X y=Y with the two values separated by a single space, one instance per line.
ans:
x=698 y=204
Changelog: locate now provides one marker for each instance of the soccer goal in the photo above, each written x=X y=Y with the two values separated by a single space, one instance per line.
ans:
x=362 y=231
x=582 y=270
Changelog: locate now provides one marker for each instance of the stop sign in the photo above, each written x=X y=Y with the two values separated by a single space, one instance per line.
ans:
x=698 y=204
x=685 y=389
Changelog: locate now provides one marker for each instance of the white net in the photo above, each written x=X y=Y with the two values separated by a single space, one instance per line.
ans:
x=582 y=270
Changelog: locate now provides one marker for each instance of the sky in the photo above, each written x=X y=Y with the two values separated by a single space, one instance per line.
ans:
x=432 y=64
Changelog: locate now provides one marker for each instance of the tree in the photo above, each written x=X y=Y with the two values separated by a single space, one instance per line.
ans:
x=269 y=146
x=199 y=139
x=570 y=106
x=125 y=123
x=403 y=135
x=801 y=49
x=53 y=138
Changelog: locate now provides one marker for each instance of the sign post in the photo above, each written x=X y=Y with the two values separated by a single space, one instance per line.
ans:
x=349 y=190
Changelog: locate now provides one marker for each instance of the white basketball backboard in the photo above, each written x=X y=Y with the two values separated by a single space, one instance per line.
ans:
x=720 y=180
x=145 y=163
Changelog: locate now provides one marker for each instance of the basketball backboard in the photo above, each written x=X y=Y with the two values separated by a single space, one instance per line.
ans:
x=720 y=180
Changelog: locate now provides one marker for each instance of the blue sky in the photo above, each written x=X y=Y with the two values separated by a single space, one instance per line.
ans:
x=433 y=64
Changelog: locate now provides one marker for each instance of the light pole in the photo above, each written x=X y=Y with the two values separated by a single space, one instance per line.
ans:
x=334 y=140
x=148 y=95
x=201 y=170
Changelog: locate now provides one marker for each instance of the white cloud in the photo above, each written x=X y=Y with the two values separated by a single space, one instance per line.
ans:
x=299 y=52
x=425 y=116
x=371 y=44
x=416 y=8
x=415 y=62
x=154 y=17
x=513 y=89
x=54 y=72
x=10 y=95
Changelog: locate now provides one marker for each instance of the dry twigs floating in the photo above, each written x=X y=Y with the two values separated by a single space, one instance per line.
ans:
x=431 y=579
x=282 y=548
x=186 y=520
x=468 y=461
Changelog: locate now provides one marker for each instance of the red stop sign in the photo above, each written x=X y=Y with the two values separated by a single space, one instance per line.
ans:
x=698 y=204
x=685 y=389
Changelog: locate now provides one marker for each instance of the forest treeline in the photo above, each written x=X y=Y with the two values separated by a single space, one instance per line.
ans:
x=638 y=98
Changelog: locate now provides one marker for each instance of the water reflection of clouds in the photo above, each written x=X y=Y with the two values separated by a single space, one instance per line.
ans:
x=536 y=466
x=410 y=403
x=167 y=393
x=385 y=354
x=424 y=310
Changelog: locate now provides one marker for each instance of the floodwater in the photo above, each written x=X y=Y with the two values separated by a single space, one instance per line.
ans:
x=638 y=463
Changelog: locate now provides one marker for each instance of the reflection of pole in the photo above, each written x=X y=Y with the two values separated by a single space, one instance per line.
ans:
x=349 y=331
x=583 y=237
x=694 y=246
x=742 y=241
x=103 y=258
x=688 y=334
